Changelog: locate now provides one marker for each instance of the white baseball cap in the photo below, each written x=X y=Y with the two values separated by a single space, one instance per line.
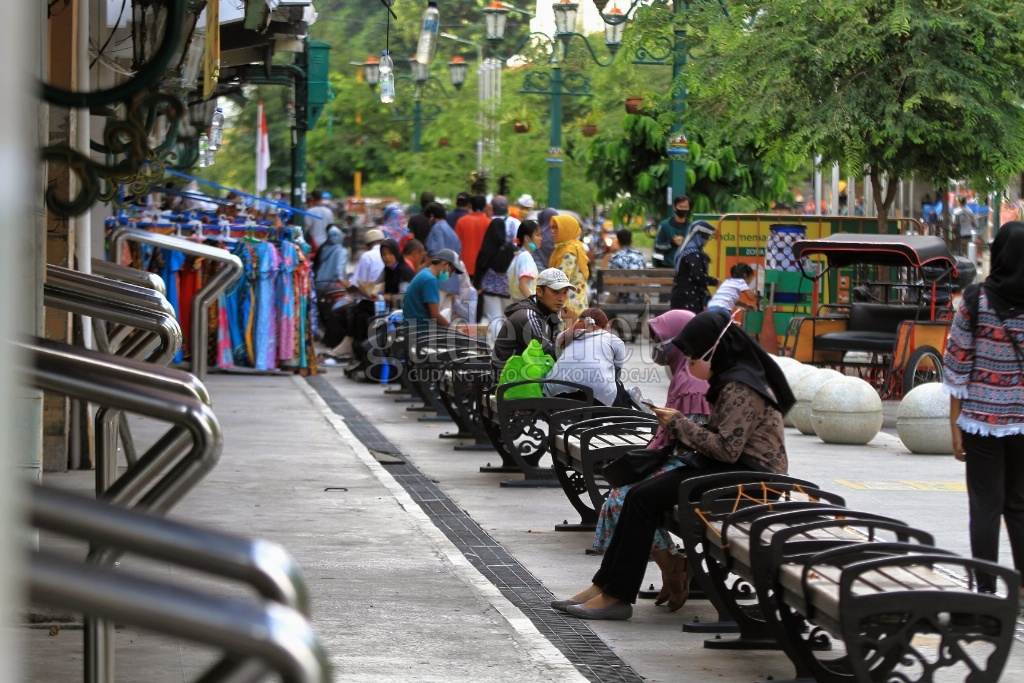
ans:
x=525 y=201
x=373 y=235
x=553 y=278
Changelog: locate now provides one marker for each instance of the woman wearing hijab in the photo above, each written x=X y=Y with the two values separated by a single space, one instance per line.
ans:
x=686 y=394
x=749 y=396
x=690 y=286
x=571 y=258
x=330 y=284
x=547 y=242
x=394 y=224
x=984 y=376
x=490 y=277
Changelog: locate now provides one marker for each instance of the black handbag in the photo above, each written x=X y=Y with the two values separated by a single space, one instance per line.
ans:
x=638 y=463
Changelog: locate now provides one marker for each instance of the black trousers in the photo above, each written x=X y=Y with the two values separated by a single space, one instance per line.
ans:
x=995 y=489
x=643 y=511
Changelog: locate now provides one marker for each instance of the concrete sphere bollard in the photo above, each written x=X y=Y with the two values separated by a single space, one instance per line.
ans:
x=922 y=420
x=793 y=373
x=804 y=390
x=785 y=362
x=846 y=411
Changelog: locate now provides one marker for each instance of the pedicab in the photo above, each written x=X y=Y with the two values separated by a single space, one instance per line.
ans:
x=889 y=311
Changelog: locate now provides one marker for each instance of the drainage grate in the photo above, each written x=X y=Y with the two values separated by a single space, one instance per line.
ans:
x=573 y=637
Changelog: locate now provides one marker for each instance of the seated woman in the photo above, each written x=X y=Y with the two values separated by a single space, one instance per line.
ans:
x=749 y=396
x=593 y=357
x=686 y=394
x=397 y=273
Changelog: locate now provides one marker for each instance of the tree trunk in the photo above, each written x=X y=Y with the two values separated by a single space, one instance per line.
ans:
x=882 y=204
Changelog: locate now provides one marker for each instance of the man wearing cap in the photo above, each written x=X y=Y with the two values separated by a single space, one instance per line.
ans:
x=525 y=203
x=462 y=204
x=537 y=317
x=422 y=302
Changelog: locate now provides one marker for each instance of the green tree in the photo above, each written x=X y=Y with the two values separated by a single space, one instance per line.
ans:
x=915 y=87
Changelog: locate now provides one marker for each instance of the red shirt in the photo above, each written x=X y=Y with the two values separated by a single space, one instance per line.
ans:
x=471 y=229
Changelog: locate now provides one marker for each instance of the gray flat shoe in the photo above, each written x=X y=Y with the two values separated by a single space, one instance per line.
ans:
x=562 y=605
x=620 y=611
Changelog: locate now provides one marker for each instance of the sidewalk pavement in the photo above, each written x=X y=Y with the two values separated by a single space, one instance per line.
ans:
x=395 y=599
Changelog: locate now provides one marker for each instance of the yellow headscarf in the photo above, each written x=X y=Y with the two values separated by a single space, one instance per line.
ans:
x=569 y=232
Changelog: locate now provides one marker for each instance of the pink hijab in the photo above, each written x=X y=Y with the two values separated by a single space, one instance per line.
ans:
x=686 y=393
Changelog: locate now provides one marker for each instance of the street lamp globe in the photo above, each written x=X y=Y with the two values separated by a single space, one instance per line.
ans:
x=371 y=71
x=420 y=72
x=565 y=17
x=600 y=5
x=457 y=70
x=614 y=25
x=495 y=17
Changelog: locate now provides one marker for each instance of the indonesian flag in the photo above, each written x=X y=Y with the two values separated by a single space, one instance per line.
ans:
x=262 y=149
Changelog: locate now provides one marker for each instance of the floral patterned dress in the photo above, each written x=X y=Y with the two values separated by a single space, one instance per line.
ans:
x=578 y=300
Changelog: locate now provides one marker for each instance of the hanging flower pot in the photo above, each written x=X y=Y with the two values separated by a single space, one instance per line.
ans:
x=634 y=105
x=394 y=144
x=443 y=142
x=589 y=131
x=521 y=126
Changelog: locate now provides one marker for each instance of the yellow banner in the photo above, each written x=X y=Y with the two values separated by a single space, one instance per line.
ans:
x=211 y=55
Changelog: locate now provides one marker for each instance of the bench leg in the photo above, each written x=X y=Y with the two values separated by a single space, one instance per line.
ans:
x=724 y=623
x=526 y=443
x=575 y=489
x=493 y=432
x=802 y=645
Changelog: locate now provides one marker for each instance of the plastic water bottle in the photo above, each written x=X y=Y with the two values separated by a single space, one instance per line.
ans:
x=428 y=34
x=387 y=78
x=381 y=307
x=216 y=129
x=204 y=150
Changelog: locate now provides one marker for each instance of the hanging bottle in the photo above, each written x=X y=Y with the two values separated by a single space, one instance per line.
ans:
x=428 y=34
x=216 y=129
x=204 y=150
x=387 y=78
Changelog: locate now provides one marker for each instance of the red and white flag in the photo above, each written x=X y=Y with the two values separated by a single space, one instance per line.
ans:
x=262 y=149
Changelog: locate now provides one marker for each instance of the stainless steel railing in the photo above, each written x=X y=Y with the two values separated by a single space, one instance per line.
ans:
x=229 y=272
x=132 y=276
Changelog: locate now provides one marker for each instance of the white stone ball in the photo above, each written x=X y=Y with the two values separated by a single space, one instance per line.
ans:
x=846 y=411
x=785 y=361
x=804 y=390
x=922 y=420
x=793 y=373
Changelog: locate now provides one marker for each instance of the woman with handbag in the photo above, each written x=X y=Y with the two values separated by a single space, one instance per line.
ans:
x=686 y=394
x=984 y=376
x=749 y=396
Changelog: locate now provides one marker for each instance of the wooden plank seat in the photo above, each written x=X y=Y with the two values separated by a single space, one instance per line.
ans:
x=517 y=428
x=463 y=381
x=686 y=521
x=643 y=289
x=427 y=354
x=581 y=441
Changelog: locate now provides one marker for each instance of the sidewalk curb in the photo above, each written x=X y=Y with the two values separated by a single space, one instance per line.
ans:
x=523 y=631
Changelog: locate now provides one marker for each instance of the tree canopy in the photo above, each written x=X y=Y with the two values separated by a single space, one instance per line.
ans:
x=911 y=88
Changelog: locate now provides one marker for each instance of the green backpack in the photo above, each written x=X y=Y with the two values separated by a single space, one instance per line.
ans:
x=532 y=363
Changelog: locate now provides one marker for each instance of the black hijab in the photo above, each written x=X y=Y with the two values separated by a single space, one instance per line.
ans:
x=491 y=251
x=1005 y=284
x=397 y=274
x=736 y=359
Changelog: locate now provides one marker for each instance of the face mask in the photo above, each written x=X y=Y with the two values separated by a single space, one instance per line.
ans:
x=682 y=214
x=443 y=276
x=531 y=246
x=659 y=353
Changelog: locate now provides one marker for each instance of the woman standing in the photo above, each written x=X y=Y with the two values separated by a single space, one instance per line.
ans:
x=984 y=376
x=547 y=242
x=522 y=274
x=690 y=286
x=490 y=278
x=571 y=258
x=686 y=394
x=749 y=395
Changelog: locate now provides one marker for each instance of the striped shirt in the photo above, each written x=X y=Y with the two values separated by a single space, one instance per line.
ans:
x=982 y=368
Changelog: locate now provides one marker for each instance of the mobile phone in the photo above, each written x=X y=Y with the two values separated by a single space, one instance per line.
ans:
x=649 y=403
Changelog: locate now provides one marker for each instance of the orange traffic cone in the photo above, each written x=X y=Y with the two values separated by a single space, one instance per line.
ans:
x=768 y=339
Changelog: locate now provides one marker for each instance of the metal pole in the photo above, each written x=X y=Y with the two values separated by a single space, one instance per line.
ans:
x=817 y=185
x=299 y=134
x=677 y=161
x=417 y=123
x=555 y=151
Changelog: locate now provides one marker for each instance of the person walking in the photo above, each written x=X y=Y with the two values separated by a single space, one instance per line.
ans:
x=984 y=376
x=316 y=226
x=522 y=273
x=672 y=232
x=691 y=281
x=471 y=229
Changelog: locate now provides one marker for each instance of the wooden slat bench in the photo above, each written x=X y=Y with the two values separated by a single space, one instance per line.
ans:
x=648 y=284
x=581 y=442
x=517 y=428
x=463 y=381
x=427 y=353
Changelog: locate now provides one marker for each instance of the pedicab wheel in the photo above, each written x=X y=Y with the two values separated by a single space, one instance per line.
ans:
x=923 y=366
